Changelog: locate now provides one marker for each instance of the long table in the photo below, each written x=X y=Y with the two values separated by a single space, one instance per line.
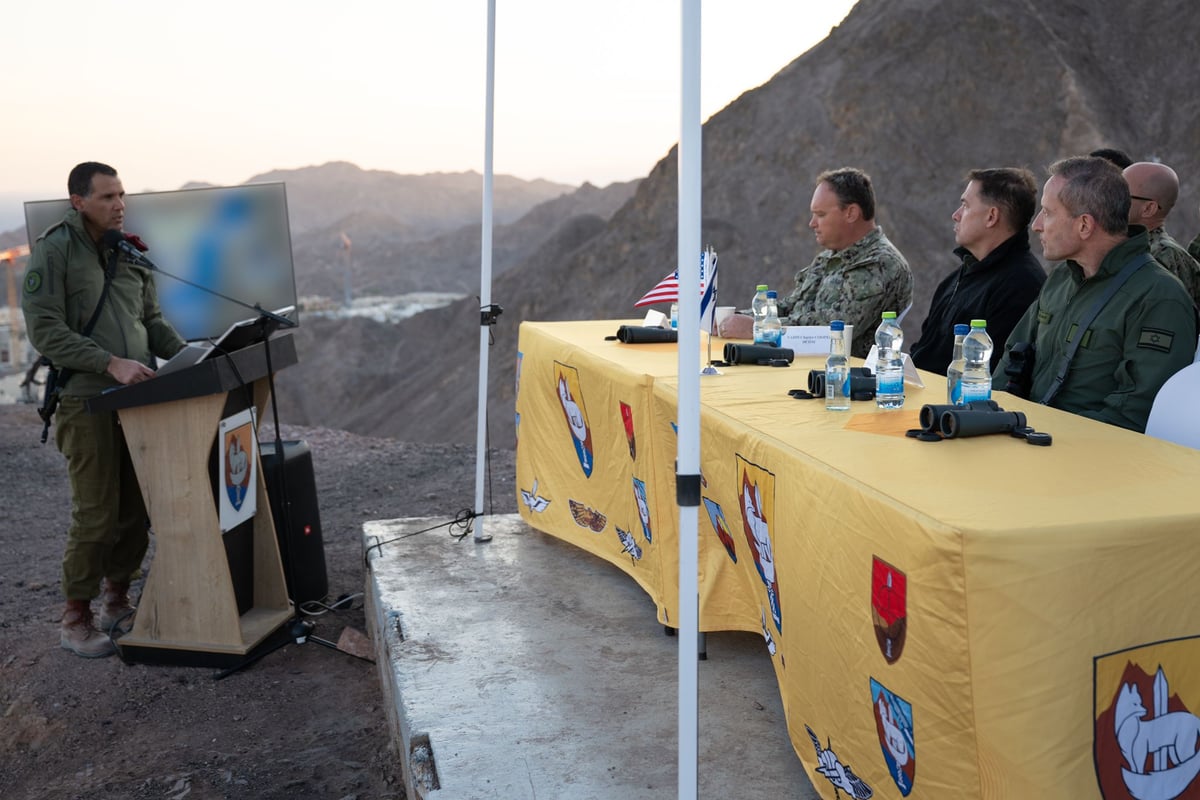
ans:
x=969 y=618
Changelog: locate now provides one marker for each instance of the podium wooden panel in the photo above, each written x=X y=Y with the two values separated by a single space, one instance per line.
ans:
x=188 y=613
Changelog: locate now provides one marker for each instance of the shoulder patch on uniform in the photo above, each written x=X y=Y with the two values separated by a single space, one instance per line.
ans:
x=1156 y=339
x=33 y=281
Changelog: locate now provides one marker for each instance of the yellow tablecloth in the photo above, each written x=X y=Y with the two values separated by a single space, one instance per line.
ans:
x=972 y=618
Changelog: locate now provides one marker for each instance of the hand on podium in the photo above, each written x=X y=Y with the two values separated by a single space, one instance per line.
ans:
x=128 y=371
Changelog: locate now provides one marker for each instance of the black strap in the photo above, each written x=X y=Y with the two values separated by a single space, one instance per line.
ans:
x=57 y=378
x=109 y=271
x=1064 y=363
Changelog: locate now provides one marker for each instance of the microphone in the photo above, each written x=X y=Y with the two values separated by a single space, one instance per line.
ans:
x=127 y=243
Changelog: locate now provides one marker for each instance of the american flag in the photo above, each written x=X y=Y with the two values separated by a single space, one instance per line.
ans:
x=667 y=290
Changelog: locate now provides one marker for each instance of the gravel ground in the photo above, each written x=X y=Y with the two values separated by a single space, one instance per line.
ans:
x=303 y=722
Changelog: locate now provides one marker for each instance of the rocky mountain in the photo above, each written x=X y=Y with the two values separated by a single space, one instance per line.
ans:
x=916 y=92
x=324 y=196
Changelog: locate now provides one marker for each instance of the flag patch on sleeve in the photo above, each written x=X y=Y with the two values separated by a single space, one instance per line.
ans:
x=1156 y=339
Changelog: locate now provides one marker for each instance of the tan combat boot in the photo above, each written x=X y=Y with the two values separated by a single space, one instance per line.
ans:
x=80 y=636
x=115 y=608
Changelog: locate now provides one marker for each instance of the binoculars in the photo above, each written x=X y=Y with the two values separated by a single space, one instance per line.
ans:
x=861 y=380
x=977 y=418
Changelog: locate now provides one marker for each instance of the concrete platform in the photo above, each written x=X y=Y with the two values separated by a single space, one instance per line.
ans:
x=527 y=669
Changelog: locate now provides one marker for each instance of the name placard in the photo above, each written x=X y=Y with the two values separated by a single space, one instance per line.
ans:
x=810 y=340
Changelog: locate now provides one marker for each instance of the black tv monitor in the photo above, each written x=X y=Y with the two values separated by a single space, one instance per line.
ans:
x=234 y=240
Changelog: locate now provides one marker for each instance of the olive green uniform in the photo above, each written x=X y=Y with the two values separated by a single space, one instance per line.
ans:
x=856 y=285
x=63 y=284
x=1143 y=335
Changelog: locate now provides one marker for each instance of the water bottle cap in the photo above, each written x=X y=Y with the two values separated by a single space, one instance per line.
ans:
x=979 y=323
x=762 y=287
x=961 y=330
x=837 y=325
x=773 y=294
x=889 y=315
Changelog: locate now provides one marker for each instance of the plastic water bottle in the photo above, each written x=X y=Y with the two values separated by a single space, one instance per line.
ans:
x=889 y=368
x=837 y=369
x=772 y=331
x=758 y=306
x=954 y=372
x=977 y=363
x=674 y=315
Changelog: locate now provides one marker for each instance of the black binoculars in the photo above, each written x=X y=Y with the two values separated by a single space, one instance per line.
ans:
x=861 y=380
x=961 y=422
x=931 y=415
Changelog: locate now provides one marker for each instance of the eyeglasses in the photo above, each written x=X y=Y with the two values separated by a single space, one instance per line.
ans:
x=1145 y=199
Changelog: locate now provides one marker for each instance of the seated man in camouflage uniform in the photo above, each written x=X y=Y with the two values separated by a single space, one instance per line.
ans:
x=859 y=274
x=1153 y=189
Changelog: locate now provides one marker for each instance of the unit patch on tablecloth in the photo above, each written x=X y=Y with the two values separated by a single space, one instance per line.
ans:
x=627 y=421
x=643 y=508
x=894 y=724
x=534 y=501
x=1146 y=732
x=837 y=773
x=570 y=397
x=629 y=544
x=758 y=510
x=889 y=590
x=717 y=517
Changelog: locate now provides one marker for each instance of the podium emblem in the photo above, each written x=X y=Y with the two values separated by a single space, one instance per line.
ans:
x=238 y=470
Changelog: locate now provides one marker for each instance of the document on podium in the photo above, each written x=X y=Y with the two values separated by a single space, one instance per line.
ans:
x=191 y=354
x=238 y=335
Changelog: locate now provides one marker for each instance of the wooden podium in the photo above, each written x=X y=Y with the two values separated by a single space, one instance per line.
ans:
x=189 y=612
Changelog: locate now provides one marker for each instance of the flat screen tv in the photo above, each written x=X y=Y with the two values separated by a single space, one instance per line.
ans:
x=234 y=240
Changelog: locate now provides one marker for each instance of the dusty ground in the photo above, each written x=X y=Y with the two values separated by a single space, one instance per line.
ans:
x=303 y=722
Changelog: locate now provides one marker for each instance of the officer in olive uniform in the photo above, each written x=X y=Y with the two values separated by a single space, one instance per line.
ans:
x=1144 y=334
x=64 y=285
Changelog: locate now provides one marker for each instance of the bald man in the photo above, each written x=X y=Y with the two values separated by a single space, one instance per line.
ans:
x=1153 y=190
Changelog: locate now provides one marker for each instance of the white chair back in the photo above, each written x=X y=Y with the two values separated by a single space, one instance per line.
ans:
x=1175 y=415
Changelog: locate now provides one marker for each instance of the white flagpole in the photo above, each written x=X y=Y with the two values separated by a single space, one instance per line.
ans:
x=485 y=275
x=687 y=490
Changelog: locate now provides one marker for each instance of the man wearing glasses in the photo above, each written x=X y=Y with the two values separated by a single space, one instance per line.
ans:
x=1154 y=188
x=1143 y=332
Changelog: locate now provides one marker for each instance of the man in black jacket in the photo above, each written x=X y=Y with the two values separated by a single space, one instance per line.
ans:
x=999 y=276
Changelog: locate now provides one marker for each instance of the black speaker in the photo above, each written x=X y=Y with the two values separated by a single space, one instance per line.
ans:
x=299 y=529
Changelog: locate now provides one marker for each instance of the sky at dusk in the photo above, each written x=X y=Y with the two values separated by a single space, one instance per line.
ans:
x=173 y=92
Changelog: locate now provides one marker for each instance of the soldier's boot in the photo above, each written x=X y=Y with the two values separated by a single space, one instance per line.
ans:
x=115 y=608
x=79 y=635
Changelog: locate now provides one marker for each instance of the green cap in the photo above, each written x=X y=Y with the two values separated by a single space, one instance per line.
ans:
x=889 y=315
x=979 y=323
x=762 y=287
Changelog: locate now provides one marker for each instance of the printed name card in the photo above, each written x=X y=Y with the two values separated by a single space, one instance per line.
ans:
x=810 y=340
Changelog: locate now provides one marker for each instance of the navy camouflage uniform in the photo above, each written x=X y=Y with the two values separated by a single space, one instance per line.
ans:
x=856 y=285
x=1176 y=260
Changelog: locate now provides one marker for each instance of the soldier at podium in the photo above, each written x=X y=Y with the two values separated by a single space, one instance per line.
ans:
x=97 y=318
